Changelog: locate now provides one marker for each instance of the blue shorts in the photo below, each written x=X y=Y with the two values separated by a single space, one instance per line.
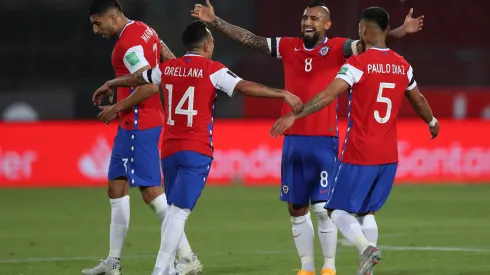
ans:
x=136 y=156
x=361 y=189
x=185 y=174
x=307 y=166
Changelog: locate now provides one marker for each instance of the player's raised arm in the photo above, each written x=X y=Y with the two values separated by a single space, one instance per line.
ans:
x=422 y=108
x=411 y=25
x=206 y=13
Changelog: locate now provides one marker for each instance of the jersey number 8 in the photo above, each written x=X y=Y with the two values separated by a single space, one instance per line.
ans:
x=189 y=112
x=308 y=65
x=387 y=101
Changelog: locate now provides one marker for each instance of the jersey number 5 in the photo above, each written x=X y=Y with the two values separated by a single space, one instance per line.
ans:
x=387 y=101
x=189 y=112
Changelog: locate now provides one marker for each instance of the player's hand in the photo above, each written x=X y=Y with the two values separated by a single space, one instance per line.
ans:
x=108 y=114
x=434 y=131
x=100 y=93
x=413 y=25
x=282 y=124
x=204 y=13
x=294 y=102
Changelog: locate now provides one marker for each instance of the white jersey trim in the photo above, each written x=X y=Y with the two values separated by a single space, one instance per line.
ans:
x=353 y=47
x=225 y=81
x=379 y=49
x=411 y=82
x=277 y=53
x=156 y=75
x=350 y=74
x=134 y=59
x=412 y=86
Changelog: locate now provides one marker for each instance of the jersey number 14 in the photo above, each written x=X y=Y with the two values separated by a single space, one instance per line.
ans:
x=189 y=112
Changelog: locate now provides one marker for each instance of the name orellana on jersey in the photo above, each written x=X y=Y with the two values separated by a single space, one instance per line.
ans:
x=190 y=84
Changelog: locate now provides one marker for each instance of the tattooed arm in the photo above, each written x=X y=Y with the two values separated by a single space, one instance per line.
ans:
x=325 y=97
x=165 y=52
x=241 y=35
x=142 y=79
x=130 y=80
x=206 y=14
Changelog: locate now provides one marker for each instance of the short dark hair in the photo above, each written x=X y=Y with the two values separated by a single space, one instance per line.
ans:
x=194 y=35
x=100 y=7
x=317 y=3
x=377 y=15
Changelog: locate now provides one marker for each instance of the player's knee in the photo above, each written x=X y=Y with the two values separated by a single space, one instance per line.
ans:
x=117 y=188
x=301 y=219
x=150 y=193
x=320 y=211
x=296 y=210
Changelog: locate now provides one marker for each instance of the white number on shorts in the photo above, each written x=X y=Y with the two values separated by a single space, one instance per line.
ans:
x=381 y=98
x=324 y=179
x=125 y=162
x=189 y=112
x=308 y=65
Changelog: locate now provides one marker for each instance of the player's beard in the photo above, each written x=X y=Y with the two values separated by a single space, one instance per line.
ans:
x=310 y=42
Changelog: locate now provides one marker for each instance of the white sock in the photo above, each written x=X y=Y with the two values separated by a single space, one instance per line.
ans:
x=304 y=238
x=120 y=213
x=172 y=231
x=350 y=228
x=327 y=233
x=369 y=228
x=159 y=205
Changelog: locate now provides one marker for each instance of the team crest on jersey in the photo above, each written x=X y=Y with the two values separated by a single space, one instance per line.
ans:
x=285 y=189
x=324 y=51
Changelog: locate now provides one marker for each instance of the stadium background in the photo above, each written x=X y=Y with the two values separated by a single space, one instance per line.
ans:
x=52 y=62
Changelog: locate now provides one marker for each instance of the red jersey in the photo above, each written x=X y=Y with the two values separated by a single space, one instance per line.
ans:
x=378 y=80
x=137 y=47
x=306 y=73
x=190 y=84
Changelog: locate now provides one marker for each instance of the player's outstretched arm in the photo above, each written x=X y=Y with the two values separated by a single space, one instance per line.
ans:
x=255 y=89
x=206 y=13
x=165 y=52
x=325 y=97
x=140 y=94
x=130 y=80
x=411 y=25
x=318 y=102
x=422 y=108
x=143 y=91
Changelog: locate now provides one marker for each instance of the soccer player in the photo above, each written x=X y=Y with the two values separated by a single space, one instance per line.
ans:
x=310 y=147
x=378 y=80
x=135 y=157
x=190 y=85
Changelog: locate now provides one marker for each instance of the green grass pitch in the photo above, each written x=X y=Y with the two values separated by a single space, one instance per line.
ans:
x=424 y=230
